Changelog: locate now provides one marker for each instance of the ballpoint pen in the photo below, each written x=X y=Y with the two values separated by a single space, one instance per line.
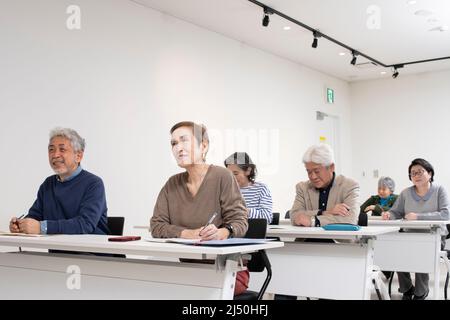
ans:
x=21 y=217
x=17 y=223
x=209 y=221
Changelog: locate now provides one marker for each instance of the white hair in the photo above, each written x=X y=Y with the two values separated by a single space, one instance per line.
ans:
x=387 y=182
x=77 y=142
x=320 y=154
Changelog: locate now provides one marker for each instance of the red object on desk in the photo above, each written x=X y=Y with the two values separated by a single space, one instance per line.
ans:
x=125 y=238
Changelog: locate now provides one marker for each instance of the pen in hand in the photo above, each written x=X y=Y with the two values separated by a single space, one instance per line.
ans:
x=209 y=221
x=17 y=220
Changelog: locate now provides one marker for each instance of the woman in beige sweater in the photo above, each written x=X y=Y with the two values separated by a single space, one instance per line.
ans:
x=189 y=199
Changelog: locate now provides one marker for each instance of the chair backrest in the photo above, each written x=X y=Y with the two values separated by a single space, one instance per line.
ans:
x=363 y=219
x=115 y=225
x=275 y=218
x=287 y=215
x=257 y=229
x=259 y=261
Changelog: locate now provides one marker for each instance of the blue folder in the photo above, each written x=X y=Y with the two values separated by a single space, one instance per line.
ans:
x=341 y=227
x=222 y=243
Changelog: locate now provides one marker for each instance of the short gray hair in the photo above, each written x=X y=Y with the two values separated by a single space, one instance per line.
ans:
x=386 y=182
x=77 y=142
x=320 y=154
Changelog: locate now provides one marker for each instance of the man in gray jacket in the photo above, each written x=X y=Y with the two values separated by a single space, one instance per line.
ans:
x=325 y=198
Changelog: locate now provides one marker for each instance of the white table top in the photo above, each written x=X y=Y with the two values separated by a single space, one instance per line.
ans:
x=288 y=231
x=100 y=244
x=412 y=224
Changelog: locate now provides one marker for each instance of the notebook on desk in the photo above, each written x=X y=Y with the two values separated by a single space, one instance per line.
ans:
x=2 y=233
x=215 y=243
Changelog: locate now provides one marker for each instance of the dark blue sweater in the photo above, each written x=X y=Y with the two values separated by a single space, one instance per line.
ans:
x=77 y=206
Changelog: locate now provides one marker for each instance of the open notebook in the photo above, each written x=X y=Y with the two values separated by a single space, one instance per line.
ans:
x=219 y=243
x=2 y=233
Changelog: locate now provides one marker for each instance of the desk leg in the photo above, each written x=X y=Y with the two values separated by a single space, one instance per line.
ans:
x=229 y=279
x=437 y=259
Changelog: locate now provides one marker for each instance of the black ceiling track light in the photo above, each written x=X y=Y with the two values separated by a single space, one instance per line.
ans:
x=268 y=11
x=316 y=35
x=266 y=19
x=395 y=71
x=355 y=56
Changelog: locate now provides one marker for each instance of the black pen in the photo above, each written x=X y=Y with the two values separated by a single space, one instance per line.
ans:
x=19 y=218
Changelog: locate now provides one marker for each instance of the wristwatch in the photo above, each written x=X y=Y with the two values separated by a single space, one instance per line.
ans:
x=315 y=222
x=229 y=227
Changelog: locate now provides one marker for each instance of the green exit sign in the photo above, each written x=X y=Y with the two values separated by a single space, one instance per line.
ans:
x=330 y=95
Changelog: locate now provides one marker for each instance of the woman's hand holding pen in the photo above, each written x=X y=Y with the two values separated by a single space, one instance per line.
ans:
x=210 y=232
x=207 y=232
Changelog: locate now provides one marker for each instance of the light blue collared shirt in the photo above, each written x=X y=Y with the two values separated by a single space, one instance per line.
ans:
x=71 y=177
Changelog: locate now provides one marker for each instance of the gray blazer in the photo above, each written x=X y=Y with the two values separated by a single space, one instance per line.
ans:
x=343 y=190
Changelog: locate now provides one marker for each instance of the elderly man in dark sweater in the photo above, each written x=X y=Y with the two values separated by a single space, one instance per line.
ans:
x=70 y=202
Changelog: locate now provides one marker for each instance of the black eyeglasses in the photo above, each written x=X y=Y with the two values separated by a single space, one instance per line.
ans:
x=418 y=173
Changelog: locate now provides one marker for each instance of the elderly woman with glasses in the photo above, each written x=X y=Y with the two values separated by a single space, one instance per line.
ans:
x=425 y=200
x=383 y=201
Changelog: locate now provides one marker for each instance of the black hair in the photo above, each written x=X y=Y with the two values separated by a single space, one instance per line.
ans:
x=243 y=161
x=424 y=164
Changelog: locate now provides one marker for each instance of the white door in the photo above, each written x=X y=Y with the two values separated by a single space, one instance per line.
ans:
x=328 y=132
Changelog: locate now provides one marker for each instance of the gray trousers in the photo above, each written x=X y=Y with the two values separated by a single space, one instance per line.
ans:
x=421 y=284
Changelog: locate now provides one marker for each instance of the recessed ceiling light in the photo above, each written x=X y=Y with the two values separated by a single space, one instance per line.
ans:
x=287 y=28
x=383 y=72
x=342 y=53
x=440 y=28
x=411 y=2
x=423 y=13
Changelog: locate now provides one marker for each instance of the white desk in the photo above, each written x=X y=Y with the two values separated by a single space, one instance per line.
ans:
x=29 y=275
x=322 y=270
x=410 y=251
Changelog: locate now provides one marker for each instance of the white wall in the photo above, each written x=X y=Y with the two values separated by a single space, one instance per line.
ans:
x=395 y=121
x=124 y=79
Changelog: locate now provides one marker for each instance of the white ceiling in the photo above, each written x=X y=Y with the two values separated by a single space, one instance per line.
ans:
x=403 y=36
